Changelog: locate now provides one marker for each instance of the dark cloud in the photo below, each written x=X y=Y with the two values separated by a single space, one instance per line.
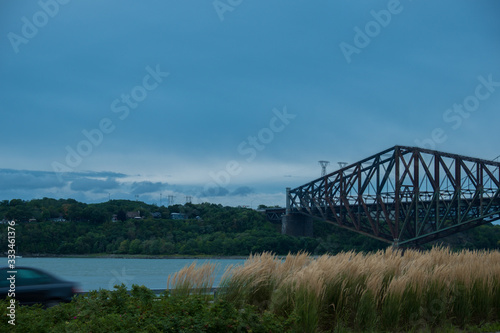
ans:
x=242 y=191
x=28 y=180
x=15 y=180
x=94 y=185
x=215 y=192
x=70 y=176
x=100 y=174
x=147 y=187
x=224 y=192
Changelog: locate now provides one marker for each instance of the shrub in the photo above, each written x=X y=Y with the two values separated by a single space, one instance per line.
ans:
x=142 y=311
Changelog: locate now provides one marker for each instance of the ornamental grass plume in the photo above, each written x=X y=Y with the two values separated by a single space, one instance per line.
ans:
x=388 y=290
x=192 y=280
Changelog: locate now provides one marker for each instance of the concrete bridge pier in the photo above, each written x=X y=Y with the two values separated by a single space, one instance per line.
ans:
x=297 y=225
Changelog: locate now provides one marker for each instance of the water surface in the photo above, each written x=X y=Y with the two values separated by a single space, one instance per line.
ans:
x=95 y=273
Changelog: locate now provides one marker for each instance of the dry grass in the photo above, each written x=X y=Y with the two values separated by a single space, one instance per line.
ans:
x=383 y=290
x=192 y=280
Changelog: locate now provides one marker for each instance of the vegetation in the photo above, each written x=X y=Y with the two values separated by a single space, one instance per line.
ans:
x=89 y=229
x=141 y=311
x=67 y=227
x=387 y=291
x=383 y=291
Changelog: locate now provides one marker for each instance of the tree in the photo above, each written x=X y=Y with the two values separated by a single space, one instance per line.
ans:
x=135 y=247
x=95 y=215
x=124 y=246
x=121 y=215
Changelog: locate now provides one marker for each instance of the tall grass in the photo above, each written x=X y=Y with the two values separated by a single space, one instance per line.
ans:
x=386 y=290
x=192 y=280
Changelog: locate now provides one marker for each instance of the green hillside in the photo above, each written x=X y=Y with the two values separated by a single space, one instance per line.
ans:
x=123 y=227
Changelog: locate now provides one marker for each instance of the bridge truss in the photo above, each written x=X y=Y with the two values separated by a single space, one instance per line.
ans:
x=404 y=195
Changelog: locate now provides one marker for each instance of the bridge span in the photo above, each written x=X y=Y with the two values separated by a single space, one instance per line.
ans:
x=402 y=195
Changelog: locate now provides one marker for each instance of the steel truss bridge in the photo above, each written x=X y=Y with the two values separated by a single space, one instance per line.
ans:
x=404 y=195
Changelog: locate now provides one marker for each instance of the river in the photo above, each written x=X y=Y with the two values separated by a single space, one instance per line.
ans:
x=96 y=273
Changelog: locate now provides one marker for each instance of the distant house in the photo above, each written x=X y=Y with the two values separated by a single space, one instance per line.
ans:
x=156 y=215
x=134 y=215
x=114 y=218
x=178 y=216
x=32 y=220
x=58 y=219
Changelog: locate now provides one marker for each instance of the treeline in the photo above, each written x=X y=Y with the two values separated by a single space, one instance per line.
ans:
x=48 y=209
x=151 y=237
x=66 y=226
x=89 y=228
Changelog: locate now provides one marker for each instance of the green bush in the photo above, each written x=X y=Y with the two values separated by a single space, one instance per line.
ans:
x=140 y=310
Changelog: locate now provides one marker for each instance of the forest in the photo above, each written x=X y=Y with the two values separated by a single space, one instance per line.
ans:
x=123 y=227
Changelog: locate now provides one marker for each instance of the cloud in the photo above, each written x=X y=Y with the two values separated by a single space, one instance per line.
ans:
x=102 y=174
x=215 y=192
x=88 y=186
x=242 y=191
x=94 y=185
x=147 y=187
x=78 y=181
x=224 y=192
x=28 y=180
x=91 y=174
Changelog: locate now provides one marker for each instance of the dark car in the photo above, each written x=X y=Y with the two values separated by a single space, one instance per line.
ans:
x=33 y=286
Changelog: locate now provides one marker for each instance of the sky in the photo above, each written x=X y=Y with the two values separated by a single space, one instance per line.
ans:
x=232 y=101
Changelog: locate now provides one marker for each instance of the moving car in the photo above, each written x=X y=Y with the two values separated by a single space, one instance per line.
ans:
x=31 y=285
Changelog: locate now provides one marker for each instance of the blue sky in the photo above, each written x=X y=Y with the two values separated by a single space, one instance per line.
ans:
x=232 y=101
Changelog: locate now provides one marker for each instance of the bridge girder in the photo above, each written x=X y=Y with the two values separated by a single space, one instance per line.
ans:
x=404 y=195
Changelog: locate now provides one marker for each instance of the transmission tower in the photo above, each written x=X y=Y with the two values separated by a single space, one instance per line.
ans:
x=189 y=199
x=342 y=164
x=170 y=199
x=323 y=164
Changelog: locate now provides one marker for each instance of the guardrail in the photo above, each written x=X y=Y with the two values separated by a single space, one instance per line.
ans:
x=156 y=291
